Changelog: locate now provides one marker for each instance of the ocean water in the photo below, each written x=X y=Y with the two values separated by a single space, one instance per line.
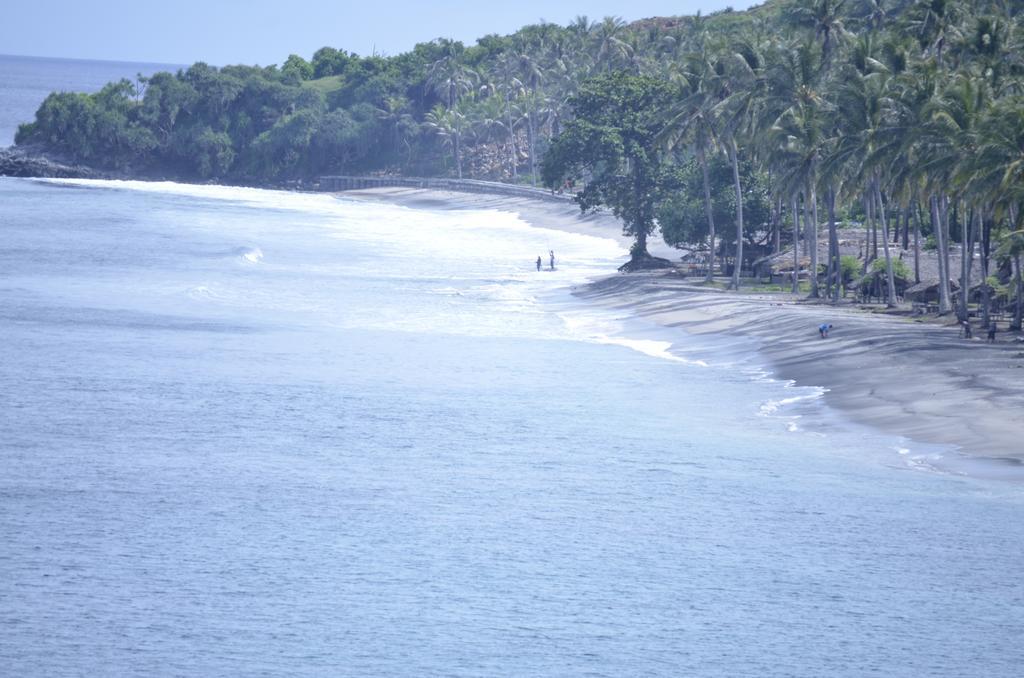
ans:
x=249 y=432
x=26 y=81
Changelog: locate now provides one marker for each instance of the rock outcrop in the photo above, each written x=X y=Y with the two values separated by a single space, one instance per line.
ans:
x=16 y=162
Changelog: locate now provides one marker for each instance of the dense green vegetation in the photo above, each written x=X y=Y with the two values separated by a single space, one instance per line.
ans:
x=740 y=128
x=613 y=140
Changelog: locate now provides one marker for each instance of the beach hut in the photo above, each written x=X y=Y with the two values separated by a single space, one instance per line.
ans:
x=927 y=291
x=872 y=285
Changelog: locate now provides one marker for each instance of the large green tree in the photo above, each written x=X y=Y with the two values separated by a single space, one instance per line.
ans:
x=613 y=147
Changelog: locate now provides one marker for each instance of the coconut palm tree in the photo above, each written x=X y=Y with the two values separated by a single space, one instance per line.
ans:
x=511 y=88
x=935 y=23
x=394 y=113
x=793 y=111
x=740 y=71
x=823 y=18
x=952 y=137
x=449 y=124
x=449 y=76
x=451 y=79
x=531 y=75
x=609 y=44
x=911 y=108
x=864 y=146
x=1012 y=246
x=692 y=122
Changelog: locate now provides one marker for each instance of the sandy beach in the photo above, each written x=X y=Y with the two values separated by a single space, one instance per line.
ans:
x=909 y=377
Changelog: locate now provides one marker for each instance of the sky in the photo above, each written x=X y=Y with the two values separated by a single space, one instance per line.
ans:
x=222 y=32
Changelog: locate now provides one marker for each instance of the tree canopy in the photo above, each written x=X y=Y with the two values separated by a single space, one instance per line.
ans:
x=613 y=141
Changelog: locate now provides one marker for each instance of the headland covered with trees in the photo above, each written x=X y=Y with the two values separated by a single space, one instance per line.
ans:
x=737 y=133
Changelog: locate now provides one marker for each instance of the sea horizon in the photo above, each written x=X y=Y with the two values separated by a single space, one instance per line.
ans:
x=27 y=80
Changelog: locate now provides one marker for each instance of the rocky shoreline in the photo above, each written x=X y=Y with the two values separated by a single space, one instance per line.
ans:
x=17 y=162
x=29 y=162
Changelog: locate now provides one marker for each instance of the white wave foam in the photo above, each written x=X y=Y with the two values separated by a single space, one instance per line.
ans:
x=650 y=347
x=202 y=293
x=476 y=243
x=772 y=406
x=600 y=329
x=447 y=292
x=252 y=255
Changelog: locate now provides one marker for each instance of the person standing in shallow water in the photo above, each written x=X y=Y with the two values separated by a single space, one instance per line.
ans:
x=539 y=263
x=552 y=253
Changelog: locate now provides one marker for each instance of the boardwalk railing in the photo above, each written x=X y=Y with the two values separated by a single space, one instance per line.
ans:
x=346 y=183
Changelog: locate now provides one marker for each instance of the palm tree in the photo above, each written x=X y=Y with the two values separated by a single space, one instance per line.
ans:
x=912 y=109
x=394 y=113
x=998 y=165
x=953 y=116
x=864 y=146
x=532 y=76
x=797 y=130
x=742 y=79
x=822 y=17
x=450 y=78
x=1012 y=247
x=450 y=124
x=609 y=43
x=693 y=122
x=511 y=88
x=935 y=23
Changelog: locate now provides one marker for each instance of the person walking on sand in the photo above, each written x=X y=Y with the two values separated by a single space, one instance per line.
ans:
x=539 y=263
x=823 y=329
x=552 y=254
x=992 y=333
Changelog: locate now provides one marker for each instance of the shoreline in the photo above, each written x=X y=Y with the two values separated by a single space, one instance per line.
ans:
x=914 y=379
x=901 y=376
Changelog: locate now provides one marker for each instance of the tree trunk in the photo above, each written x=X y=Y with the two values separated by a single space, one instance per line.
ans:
x=946 y=234
x=458 y=156
x=641 y=245
x=906 y=227
x=966 y=254
x=874 y=233
x=734 y=155
x=869 y=213
x=890 y=278
x=777 y=233
x=944 y=228
x=511 y=138
x=639 y=250
x=829 y=268
x=531 y=132
x=796 y=244
x=812 y=229
x=986 y=239
x=1019 y=306
x=834 y=268
x=917 y=243
x=708 y=210
x=942 y=242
